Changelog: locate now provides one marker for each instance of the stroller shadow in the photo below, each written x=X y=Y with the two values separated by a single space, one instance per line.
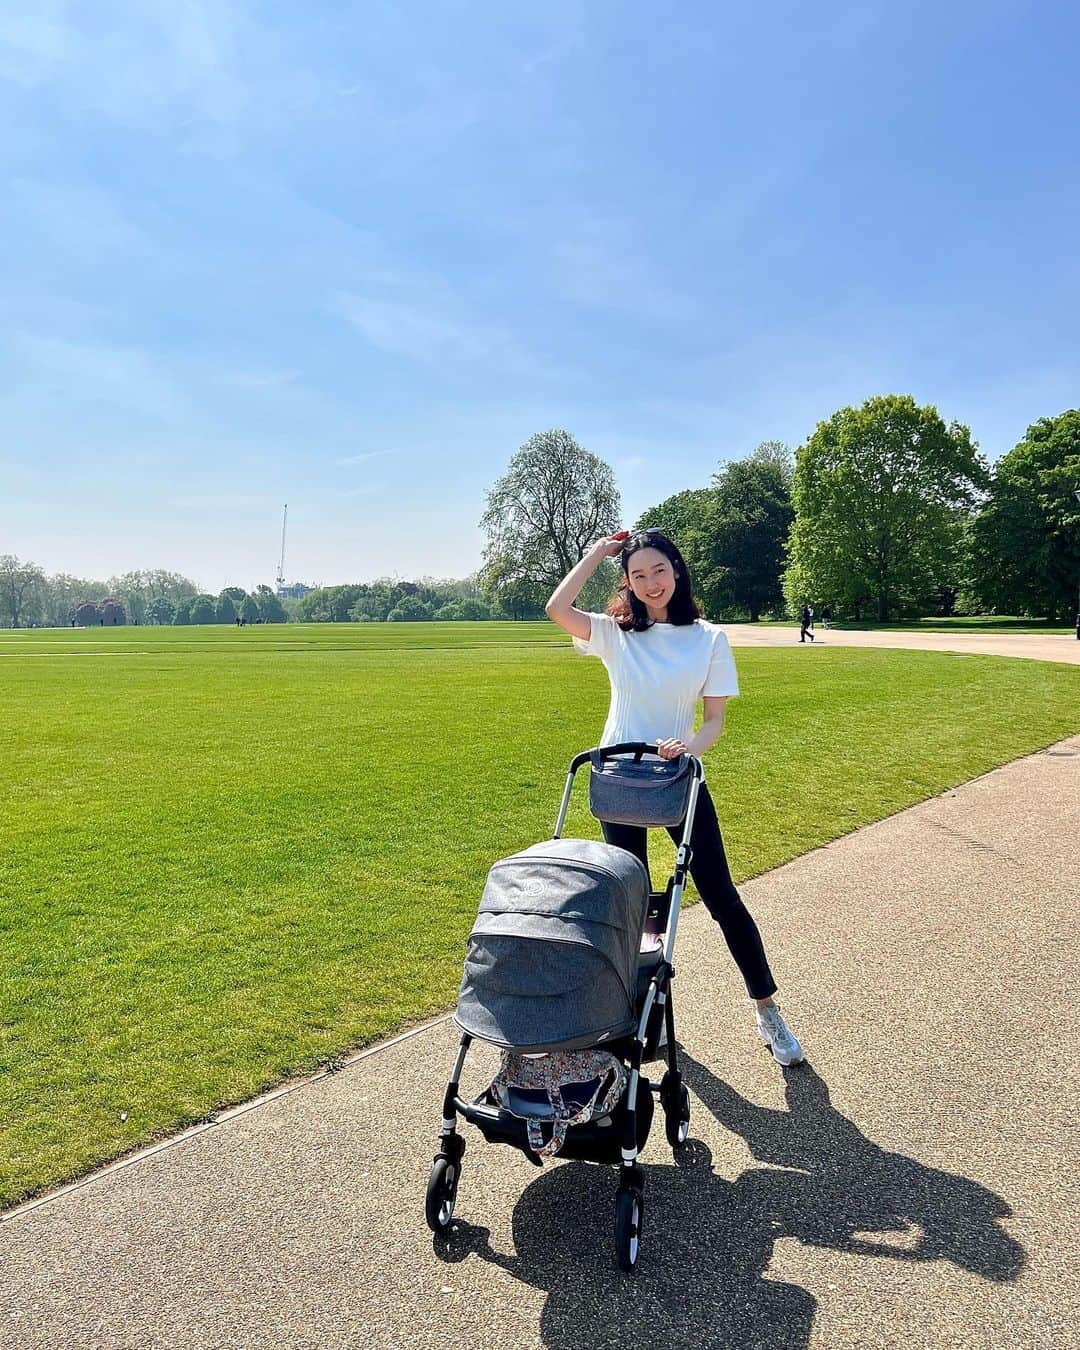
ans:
x=707 y=1242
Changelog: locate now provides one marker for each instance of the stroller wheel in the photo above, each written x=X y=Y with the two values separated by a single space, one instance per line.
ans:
x=442 y=1194
x=677 y=1118
x=629 y=1210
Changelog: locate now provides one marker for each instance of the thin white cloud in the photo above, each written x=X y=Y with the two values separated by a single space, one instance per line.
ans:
x=359 y=459
x=199 y=73
x=433 y=337
x=125 y=376
x=78 y=216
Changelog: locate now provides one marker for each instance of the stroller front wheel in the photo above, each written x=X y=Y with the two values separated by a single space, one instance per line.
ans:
x=442 y=1194
x=629 y=1210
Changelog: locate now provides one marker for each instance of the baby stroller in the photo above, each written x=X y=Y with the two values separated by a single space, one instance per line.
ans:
x=572 y=952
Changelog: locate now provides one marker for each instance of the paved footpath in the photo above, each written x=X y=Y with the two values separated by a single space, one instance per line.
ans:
x=1033 y=646
x=915 y=1184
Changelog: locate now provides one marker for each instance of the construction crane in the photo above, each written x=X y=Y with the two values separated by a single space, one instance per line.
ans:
x=281 y=563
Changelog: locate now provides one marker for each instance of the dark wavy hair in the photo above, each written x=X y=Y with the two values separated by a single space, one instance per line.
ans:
x=627 y=610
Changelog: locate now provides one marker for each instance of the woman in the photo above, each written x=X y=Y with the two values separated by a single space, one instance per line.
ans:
x=661 y=657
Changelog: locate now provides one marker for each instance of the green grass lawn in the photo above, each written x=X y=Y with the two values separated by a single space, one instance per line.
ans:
x=227 y=856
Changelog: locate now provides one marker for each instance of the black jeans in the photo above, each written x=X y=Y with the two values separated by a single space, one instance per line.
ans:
x=712 y=877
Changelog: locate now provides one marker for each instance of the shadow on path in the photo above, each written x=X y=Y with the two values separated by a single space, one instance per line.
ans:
x=707 y=1242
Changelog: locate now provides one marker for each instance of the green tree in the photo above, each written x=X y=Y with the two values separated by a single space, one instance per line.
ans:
x=132 y=591
x=880 y=495
x=732 y=534
x=464 y=610
x=160 y=610
x=1024 y=545
x=60 y=595
x=112 y=611
x=225 y=609
x=554 y=501
x=203 y=609
x=22 y=586
x=751 y=517
x=376 y=602
x=183 y=612
x=137 y=589
x=86 y=614
x=688 y=519
x=271 y=610
x=410 y=608
x=249 y=610
x=172 y=585
x=777 y=454
x=340 y=601
x=236 y=594
x=513 y=596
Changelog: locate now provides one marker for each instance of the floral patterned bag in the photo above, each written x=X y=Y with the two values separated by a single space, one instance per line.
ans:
x=567 y=1087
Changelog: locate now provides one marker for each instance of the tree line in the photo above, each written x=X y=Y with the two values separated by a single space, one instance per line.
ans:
x=30 y=598
x=885 y=512
x=390 y=600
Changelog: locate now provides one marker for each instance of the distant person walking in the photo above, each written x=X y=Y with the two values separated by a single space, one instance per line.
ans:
x=662 y=658
x=807 y=621
x=826 y=616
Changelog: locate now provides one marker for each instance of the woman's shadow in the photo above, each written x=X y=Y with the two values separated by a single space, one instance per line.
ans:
x=707 y=1241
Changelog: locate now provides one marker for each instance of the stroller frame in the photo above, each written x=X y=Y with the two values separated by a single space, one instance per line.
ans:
x=499 y=1126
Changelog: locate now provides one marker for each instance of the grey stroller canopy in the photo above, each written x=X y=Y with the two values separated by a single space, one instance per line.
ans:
x=552 y=958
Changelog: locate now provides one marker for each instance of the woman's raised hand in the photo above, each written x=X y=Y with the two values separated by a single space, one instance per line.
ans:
x=612 y=546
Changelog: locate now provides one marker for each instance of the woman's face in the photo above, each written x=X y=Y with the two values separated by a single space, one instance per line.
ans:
x=651 y=577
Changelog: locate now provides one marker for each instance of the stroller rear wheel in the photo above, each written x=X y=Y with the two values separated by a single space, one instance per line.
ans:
x=442 y=1193
x=629 y=1211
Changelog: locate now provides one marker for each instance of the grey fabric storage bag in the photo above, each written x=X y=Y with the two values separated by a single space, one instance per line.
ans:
x=552 y=957
x=640 y=791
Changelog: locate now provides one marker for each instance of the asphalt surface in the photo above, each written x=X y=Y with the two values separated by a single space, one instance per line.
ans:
x=1032 y=646
x=914 y=1184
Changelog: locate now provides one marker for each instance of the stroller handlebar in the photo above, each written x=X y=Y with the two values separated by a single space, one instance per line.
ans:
x=635 y=748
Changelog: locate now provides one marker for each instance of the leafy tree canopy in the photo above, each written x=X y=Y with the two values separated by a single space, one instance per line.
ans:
x=271 y=610
x=21 y=587
x=732 y=533
x=880 y=495
x=160 y=610
x=552 y=504
x=1024 y=544
x=410 y=608
x=750 y=520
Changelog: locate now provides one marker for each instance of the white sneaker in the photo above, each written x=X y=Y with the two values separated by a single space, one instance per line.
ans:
x=776 y=1034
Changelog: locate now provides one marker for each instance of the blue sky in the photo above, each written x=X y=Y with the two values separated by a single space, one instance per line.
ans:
x=352 y=256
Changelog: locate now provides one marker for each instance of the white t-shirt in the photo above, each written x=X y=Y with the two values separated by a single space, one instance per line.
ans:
x=658 y=675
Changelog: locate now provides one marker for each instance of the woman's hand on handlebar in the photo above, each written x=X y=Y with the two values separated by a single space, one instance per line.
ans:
x=672 y=749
